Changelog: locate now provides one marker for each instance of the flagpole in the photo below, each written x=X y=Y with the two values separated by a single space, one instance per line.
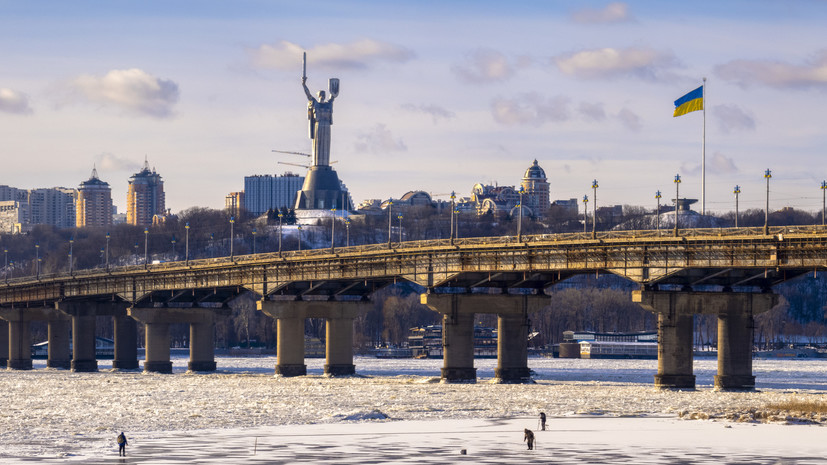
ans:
x=703 y=152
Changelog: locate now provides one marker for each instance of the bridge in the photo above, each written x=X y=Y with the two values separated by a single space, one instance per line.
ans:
x=728 y=272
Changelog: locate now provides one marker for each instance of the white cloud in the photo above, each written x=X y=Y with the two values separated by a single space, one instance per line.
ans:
x=531 y=108
x=132 y=90
x=615 y=12
x=629 y=119
x=355 y=55
x=592 y=111
x=812 y=74
x=435 y=111
x=485 y=65
x=14 y=102
x=110 y=162
x=733 y=118
x=379 y=140
x=717 y=164
x=610 y=62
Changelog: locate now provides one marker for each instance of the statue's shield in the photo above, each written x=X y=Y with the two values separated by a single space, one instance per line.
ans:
x=334 y=87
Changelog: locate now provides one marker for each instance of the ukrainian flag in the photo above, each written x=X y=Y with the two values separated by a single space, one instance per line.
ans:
x=693 y=101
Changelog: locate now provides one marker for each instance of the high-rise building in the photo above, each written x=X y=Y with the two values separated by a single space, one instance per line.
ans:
x=262 y=193
x=536 y=195
x=54 y=206
x=94 y=202
x=145 y=197
x=234 y=202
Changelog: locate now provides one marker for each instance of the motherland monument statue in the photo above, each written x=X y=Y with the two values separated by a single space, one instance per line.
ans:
x=321 y=189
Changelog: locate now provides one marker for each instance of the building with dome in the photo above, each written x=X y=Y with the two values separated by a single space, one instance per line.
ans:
x=145 y=199
x=94 y=202
x=536 y=195
x=503 y=199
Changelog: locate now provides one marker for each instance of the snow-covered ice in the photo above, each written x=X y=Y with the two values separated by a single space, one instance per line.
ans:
x=396 y=411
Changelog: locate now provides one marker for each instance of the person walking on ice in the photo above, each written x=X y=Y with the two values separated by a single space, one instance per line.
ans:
x=529 y=438
x=122 y=445
x=543 y=421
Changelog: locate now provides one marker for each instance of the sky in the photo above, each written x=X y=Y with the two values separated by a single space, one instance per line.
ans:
x=435 y=96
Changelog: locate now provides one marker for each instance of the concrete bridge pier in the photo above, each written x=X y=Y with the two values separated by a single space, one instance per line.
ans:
x=735 y=338
x=458 y=312
x=4 y=343
x=290 y=316
x=60 y=355
x=126 y=342
x=84 y=315
x=675 y=322
x=156 y=322
x=19 y=337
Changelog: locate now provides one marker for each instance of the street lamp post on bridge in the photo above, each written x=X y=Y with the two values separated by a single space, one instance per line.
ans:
x=520 y=217
x=585 y=213
x=299 y=228
x=347 y=234
x=281 y=215
x=37 y=260
x=677 y=200
x=736 y=191
x=657 y=212
x=823 y=200
x=232 y=235
x=451 y=233
x=333 y=230
x=390 y=220
x=767 y=175
x=399 y=217
x=254 y=240
x=187 y=243
x=107 y=251
x=146 y=247
x=594 y=206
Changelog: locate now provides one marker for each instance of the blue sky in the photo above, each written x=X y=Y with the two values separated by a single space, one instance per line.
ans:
x=434 y=96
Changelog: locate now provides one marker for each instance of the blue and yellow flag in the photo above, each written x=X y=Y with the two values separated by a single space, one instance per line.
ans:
x=693 y=101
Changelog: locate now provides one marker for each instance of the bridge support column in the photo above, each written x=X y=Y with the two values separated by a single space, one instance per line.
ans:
x=126 y=342
x=156 y=322
x=19 y=336
x=202 y=346
x=290 y=315
x=735 y=338
x=675 y=322
x=20 y=348
x=458 y=312
x=60 y=356
x=4 y=343
x=84 y=314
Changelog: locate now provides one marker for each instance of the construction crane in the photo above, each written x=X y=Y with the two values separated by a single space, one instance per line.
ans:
x=292 y=153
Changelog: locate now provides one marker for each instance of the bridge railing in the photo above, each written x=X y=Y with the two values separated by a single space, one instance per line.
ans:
x=436 y=244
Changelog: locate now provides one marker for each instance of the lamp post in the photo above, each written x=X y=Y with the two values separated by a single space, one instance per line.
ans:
x=657 y=212
x=823 y=200
x=37 y=260
x=281 y=215
x=585 y=213
x=456 y=214
x=173 y=241
x=187 y=243
x=232 y=235
x=390 y=218
x=677 y=197
x=299 y=228
x=520 y=191
x=594 y=207
x=347 y=227
x=107 y=251
x=736 y=191
x=103 y=256
x=767 y=176
x=399 y=217
x=451 y=234
x=333 y=230
x=6 y=262
x=254 y=240
x=136 y=252
x=212 y=245
x=146 y=248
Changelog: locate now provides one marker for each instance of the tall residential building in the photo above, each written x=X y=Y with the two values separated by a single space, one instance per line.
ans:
x=262 y=193
x=233 y=202
x=94 y=202
x=54 y=206
x=536 y=195
x=145 y=197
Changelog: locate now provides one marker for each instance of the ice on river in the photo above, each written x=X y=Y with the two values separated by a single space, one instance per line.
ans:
x=396 y=411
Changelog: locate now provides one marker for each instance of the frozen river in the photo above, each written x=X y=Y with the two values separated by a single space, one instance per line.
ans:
x=397 y=412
